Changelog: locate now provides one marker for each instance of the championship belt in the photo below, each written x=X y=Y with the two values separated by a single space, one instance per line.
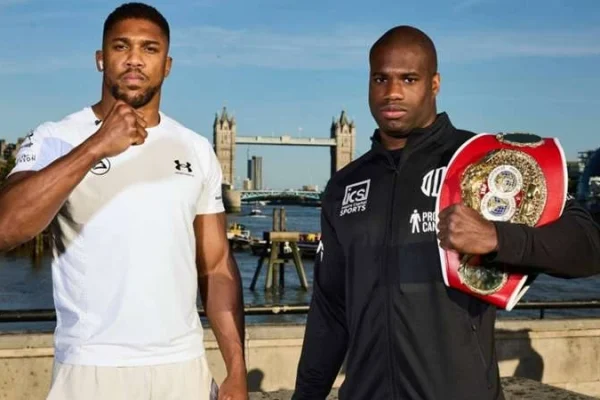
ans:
x=516 y=178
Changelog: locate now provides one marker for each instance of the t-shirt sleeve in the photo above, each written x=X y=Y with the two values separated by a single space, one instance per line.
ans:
x=39 y=149
x=211 y=197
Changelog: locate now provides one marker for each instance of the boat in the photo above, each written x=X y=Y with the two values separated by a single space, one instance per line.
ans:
x=308 y=245
x=256 y=212
x=238 y=235
x=308 y=250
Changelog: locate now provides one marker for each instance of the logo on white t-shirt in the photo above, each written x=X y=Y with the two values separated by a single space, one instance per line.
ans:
x=184 y=168
x=102 y=167
x=27 y=141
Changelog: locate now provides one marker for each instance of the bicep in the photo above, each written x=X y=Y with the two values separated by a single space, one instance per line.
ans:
x=40 y=149
x=211 y=198
x=212 y=245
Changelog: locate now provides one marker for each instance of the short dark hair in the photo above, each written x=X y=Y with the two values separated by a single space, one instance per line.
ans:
x=136 y=11
x=411 y=36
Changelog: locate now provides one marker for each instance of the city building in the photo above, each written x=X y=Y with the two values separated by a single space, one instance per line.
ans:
x=588 y=188
x=257 y=181
x=247 y=185
x=250 y=169
x=254 y=173
x=310 y=188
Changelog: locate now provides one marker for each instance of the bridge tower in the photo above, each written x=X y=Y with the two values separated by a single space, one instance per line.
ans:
x=224 y=131
x=344 y=132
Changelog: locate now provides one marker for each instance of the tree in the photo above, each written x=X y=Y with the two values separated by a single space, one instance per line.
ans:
x=7 y=167
x=572 y=186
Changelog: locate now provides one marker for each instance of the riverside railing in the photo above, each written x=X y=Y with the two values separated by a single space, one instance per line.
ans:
x=49 y=315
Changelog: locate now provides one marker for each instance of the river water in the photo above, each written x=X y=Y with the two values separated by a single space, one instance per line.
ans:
x=26 y=283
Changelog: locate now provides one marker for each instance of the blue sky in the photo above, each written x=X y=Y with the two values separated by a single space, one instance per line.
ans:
x=289 y=66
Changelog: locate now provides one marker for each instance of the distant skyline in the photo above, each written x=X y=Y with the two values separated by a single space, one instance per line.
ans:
x=289 y=66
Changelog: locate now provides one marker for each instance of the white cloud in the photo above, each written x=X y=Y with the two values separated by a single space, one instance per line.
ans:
x=211 y=45
x=338 y=49
x=6 y=3
x=467 y=4
x=345 y=48
x=508 y=44
x=51 y=64
x=41 y=17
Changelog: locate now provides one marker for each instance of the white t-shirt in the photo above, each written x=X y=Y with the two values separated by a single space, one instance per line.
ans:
x=124 y=269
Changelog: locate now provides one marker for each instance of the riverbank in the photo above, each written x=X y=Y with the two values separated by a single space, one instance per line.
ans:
x=560 y=353
x=514 y=389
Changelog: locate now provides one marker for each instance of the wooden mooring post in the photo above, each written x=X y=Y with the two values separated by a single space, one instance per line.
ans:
x=38 y=245
x=275 y=249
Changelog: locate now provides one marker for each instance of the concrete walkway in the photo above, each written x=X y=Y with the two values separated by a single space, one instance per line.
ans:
x=514 y=389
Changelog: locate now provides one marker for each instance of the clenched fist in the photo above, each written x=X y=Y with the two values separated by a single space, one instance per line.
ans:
x=233 y=388
x=465 y=231
x=122 y=127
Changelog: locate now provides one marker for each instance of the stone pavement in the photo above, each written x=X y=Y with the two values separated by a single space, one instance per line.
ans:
x=514 y=389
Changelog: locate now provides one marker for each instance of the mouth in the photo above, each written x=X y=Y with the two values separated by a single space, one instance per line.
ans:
x=132 y=78
x=393 y=112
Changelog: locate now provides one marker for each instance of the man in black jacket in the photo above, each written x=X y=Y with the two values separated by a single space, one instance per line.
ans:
x=379 y=297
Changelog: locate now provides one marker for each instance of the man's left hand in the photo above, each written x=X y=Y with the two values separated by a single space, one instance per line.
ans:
x=234 y=388
x=465 y=231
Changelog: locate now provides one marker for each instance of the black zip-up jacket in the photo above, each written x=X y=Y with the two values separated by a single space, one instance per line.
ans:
x=379 y=297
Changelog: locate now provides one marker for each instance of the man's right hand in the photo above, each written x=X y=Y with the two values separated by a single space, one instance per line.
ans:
x=122 y=127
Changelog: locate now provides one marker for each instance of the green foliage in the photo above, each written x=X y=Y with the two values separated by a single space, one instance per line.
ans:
x=5 y=168
x=572 y=188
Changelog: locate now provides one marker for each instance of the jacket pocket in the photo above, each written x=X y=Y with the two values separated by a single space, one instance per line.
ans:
x=489 y=366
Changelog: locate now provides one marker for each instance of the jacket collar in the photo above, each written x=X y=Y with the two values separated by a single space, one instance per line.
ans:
x=433 y=135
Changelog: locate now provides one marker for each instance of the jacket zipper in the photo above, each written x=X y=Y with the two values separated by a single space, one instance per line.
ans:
x=389 y=236
x=472 y=326
x=384 y=273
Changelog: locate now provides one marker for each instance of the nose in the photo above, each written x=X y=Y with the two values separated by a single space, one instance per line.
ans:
x=134 y=59
x=394 y=90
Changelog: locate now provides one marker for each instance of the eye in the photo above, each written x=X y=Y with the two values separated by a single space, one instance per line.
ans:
x=410 y=79
x=119 y=47
x=379 y=79
x=152 y=49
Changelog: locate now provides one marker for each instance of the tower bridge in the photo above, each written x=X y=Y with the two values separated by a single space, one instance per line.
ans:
x=342 y=142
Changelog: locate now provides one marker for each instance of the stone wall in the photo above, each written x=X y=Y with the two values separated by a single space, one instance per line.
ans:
x=561 y=353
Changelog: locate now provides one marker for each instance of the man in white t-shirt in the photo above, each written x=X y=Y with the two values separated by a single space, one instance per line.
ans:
x=133 y=200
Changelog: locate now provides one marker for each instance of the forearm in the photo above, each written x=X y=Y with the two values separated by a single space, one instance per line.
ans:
x=28 y=205
x=223 y=302
x=326 y=336
x=323 y=350
x=569 y=246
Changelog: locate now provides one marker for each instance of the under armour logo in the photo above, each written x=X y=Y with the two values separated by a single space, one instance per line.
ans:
x=179 y=166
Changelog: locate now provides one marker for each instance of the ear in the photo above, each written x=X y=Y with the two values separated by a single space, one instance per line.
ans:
x=436 y=83
x=99 y=60
x=168 y=66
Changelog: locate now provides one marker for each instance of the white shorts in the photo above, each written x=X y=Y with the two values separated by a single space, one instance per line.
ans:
x=188 y=380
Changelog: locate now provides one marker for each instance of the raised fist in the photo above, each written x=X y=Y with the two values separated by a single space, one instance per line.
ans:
x=122 y=127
